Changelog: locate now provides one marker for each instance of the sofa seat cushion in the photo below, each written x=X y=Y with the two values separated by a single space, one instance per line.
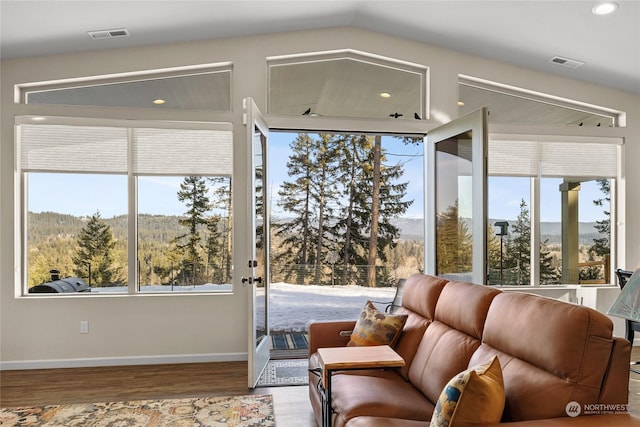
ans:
x=385 y=394
x=384 y=422
x=617 y=420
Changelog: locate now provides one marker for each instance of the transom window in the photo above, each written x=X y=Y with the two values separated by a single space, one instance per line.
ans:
x=205 y=88
x=347 y=84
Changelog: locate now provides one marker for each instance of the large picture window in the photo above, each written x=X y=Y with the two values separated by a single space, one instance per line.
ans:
x=550 y=209
x=97 y=196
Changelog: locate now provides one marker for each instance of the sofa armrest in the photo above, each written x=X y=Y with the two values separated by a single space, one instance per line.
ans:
x=328 y=334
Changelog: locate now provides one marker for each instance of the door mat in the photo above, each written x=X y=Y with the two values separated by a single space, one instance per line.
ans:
x=289 y=341
x=285 y=373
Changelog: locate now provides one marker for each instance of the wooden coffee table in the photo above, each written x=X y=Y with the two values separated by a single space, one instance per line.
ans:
x=348 y=359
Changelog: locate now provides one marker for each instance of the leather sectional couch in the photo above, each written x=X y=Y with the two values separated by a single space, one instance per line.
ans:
x=552 y=354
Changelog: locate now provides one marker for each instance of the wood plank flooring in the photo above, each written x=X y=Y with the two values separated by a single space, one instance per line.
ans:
x=59 y=386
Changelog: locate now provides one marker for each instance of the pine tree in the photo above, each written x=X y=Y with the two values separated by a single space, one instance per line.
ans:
x=601 y=245
x=549 y=268
x=193 y=192
x=518 y=254
x=453 y=243
x=295 y=199
x=94 y=257
x=223 y=201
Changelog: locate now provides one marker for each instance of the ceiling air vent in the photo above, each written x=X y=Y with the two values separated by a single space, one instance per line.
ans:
x=566 y=62
x=108 y=34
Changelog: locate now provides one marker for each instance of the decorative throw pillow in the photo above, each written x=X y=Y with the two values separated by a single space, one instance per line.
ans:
x=475 y=396
x=375 y=327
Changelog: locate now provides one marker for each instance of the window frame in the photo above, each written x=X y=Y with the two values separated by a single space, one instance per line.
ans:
x=542 y=135
x=132 y=243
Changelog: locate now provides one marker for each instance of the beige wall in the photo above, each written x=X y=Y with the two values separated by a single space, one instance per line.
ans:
x=159 y=328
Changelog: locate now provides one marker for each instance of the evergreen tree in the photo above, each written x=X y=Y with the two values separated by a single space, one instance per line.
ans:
x=518 y=254
x=601 y=245
x=194 y=193
x=94 y=258
x=549 y=265
x=223 y=201
x=453 y=243
x=348 y=229
x=295 y=198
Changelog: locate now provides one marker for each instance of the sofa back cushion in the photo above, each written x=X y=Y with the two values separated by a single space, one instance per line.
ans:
x=451 y=339
x=419 y=296
x=551 y=352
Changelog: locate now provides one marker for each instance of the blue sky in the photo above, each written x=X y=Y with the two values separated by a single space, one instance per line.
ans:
x=83 y=195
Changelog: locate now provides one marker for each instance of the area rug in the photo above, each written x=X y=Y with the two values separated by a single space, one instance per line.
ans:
x=285 y=372
x=235 y=411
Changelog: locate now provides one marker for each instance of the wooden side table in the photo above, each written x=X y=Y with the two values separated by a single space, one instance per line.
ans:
x=351 y=358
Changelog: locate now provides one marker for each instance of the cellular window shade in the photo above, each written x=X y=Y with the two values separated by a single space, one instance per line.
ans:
x=182 y=152
x=552 y=159
x=62 y=148
x=570 y=159
x=513 y=158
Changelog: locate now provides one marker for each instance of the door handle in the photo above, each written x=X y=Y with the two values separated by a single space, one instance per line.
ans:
x=251 y=280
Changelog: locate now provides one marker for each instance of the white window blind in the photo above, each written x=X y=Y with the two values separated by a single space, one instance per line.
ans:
x=513 y=158
x=553 y=158
x=62 y=148
x=182 y=152
x=105 y=149
x=570 y=159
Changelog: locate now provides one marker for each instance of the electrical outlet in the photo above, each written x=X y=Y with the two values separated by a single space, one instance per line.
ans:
x=84 y=326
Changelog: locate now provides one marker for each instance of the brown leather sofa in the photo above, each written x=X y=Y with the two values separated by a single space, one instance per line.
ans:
x=552 y=353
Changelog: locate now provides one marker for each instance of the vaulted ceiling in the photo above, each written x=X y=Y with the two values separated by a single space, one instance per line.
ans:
x=527 y=33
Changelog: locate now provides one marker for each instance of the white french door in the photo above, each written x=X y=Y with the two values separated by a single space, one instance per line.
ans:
x=258 y=264
x=455 y=199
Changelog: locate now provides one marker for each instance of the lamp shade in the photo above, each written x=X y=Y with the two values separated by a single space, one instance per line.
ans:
x=627 y=305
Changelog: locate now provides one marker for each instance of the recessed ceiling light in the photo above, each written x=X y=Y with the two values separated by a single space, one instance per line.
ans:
x=385 y=95
x=159 y=101
x=605 y=8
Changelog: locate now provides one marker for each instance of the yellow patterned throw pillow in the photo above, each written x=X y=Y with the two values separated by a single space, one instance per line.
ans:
x=375 y=327
x=475 y=396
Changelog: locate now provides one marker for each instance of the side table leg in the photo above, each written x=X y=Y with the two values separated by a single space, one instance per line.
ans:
x=328 y=409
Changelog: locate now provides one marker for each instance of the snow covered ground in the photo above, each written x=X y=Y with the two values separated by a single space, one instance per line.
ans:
x=293 y=307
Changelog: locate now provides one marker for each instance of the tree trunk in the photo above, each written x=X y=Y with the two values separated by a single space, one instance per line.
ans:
x=375 y=214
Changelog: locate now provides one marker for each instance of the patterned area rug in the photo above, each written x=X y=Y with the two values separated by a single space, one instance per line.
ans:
x=285 y=372
x=236 y=411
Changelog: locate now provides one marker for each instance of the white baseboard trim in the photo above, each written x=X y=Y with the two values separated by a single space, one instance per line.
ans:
x=122 y=361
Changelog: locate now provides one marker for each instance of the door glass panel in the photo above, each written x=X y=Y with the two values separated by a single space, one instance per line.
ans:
x=260 y=303
x=454 y=197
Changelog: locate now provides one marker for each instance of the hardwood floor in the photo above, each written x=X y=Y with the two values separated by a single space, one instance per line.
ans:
x=58 y=386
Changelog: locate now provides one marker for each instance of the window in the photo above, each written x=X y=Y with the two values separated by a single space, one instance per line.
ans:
x=510 y=105
x=553 y=195
x=97 y=192
x=347 y=84
x=205 y=88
